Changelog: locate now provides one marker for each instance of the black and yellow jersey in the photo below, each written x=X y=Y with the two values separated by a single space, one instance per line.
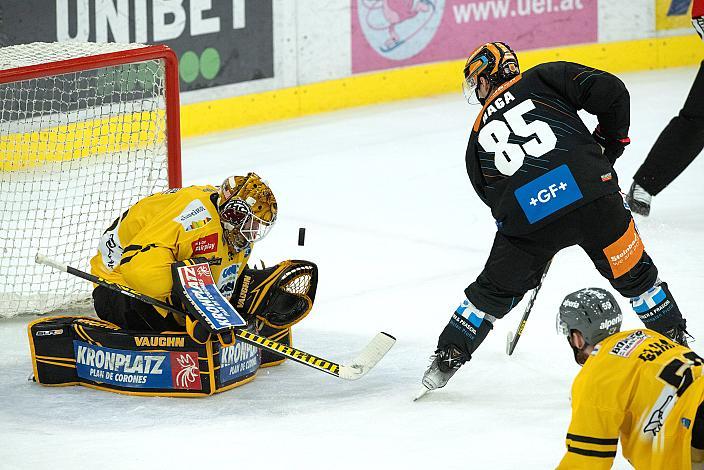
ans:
x=530 y=156
x=643 y=389
x=137 y=250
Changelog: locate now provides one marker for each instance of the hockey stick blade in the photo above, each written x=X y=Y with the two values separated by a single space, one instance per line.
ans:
x=509 y=340
x=421 y=394
x=367 y=359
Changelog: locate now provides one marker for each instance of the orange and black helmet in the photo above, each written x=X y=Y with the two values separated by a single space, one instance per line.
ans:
x=494 y=60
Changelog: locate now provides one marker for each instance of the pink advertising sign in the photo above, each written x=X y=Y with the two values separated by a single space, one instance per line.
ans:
x=395 y=33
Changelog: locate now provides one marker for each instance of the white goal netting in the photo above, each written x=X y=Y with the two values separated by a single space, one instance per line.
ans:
x=77 y=149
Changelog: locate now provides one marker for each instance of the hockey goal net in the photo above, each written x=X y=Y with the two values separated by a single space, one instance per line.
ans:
x=86 y=130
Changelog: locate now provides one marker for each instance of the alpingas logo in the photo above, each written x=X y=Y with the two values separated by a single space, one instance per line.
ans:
x=399 y=29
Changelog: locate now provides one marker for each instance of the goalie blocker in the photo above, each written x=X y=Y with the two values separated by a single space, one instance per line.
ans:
x=199 y=362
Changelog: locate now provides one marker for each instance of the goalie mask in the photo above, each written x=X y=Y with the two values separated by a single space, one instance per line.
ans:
x=247 y=209
x=494 y=61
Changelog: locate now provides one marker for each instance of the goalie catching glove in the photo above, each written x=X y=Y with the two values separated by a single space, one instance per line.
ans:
x=279 y=296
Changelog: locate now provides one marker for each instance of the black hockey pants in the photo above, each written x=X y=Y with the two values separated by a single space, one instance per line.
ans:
x=605 y=230
x=678 y=144
x=130 y=313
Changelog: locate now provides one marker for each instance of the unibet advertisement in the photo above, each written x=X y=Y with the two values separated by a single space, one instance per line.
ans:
x=396 y=33
x=218 y=42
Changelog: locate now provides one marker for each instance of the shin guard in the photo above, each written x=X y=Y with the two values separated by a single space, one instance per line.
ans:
x=466 y=330
x=658 y=311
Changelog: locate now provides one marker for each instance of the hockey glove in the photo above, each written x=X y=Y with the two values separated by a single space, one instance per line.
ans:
x=280 y=296
x=612 y=148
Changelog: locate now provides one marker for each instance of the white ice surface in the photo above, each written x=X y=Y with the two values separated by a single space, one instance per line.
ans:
x=398 y=233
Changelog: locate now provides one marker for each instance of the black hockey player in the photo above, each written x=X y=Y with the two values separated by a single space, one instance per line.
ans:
x=550 y=184
x=678 y=144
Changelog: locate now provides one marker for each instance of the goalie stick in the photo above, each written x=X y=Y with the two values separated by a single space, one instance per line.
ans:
x=360 y=365
x=511 y=338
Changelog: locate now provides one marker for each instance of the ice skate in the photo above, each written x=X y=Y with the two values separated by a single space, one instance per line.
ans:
x=443 y=366
x=679 y=335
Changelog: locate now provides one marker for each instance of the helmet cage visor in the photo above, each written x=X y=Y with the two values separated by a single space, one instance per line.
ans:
x=237 y=216
x=474 y=67
x=561 y=326
x=469 y=89
x=255 y=228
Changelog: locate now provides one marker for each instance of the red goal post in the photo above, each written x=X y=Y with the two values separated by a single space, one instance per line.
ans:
x=86 y=130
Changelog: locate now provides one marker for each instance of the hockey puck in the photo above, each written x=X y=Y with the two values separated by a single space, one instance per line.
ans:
x=301 y=236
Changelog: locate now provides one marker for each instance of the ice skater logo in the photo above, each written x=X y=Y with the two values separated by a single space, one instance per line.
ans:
x=399 y=29
x=186 y=377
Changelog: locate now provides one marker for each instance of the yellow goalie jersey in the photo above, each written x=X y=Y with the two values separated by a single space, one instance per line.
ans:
x=643 y=388
x=137 y=250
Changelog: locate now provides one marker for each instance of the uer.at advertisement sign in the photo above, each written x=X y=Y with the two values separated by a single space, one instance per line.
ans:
x=218 y=42
x=398 y=33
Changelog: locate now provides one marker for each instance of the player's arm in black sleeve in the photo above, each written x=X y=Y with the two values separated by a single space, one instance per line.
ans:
x=474 y=170
x=599 y=93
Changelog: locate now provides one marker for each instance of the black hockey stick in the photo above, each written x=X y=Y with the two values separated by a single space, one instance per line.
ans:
x=512 y=338
x=362 y=364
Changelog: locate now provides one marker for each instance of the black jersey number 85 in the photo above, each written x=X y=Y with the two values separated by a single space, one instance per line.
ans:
x=508 y=157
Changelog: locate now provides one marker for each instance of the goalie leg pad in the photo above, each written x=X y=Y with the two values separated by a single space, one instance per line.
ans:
x=98 y=354
x=279 y=296
x=284 y=336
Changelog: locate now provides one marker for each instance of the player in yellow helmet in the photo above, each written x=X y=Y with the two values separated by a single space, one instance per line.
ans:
x=219 y=224
x=637 y=387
